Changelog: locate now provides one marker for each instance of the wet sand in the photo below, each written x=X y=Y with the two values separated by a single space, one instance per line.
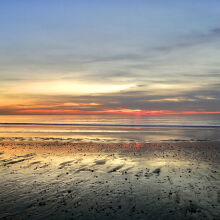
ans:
x=56 y=179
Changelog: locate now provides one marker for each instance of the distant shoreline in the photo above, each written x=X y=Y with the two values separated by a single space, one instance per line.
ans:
x=103 y=141
x=115 y=125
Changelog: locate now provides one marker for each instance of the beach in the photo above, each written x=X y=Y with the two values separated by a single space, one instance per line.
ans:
x=51 y=178
x=109 y=110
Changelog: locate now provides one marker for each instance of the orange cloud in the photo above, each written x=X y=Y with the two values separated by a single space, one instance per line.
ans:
x=69 y=104
x=121 y=111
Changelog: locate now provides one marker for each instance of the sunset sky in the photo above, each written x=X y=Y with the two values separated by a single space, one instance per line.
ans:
x=109 y=57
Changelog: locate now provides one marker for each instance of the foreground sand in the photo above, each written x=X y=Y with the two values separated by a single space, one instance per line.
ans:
x=64 y=180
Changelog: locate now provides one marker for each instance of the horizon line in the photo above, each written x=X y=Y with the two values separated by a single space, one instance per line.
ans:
x=119 y=112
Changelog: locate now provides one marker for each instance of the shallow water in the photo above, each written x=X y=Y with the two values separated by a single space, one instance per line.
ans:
x=113 y=128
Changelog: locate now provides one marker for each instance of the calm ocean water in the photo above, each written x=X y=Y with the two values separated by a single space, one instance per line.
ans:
x=113 y=128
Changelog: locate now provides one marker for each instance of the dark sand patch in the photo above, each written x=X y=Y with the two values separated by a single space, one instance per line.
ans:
x=34 y=163
x=15 y=161
x=85 y=170
x=26 y=155
x=45 y=165
x=115 y=169
x=100 y=162
x=64 y=164
x=157 y=171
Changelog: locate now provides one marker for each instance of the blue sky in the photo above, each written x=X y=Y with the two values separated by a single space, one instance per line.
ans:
x=145 y=55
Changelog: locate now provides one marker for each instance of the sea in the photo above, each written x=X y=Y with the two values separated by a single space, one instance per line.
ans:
x=112 y=128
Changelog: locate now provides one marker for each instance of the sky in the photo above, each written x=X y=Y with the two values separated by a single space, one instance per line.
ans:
x=109 y=57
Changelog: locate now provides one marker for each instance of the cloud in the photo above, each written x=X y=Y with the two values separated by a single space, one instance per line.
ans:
x=184 y=42
x=169 y=76
x=201 y=99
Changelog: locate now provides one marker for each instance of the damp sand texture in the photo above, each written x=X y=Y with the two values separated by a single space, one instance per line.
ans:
x=65 y=180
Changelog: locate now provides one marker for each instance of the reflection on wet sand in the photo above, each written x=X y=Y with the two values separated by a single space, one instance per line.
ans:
x=51 y=179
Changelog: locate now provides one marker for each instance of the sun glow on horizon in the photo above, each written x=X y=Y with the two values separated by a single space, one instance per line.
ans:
x=111 y=112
